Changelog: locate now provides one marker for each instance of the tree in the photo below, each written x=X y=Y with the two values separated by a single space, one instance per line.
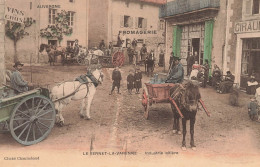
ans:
x=16 y=31
x=59 y=29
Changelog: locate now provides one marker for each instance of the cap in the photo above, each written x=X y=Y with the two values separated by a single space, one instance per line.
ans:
x=176 y=58
x=17 y=63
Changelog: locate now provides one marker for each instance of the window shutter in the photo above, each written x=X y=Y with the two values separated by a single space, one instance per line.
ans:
x=136 y=22
x=131 y=22
x=121 y=21
x=145 y=23
x=248 y=7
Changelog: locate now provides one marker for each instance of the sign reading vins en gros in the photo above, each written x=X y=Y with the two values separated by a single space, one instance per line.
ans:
x=247 y=26
x=14 y=14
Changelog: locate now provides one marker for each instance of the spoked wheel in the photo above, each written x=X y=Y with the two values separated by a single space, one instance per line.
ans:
x=145 y=103
x=32 y=120
x=81 y=59
x=118 y=59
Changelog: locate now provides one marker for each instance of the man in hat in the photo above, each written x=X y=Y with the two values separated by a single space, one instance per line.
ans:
x=176 y=74
x=17 y=81
x=143 y=52
x=116 y=77
x=228 y=82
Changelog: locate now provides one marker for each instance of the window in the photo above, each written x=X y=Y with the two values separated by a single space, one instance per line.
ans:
x=141 y=5
x=71 y=18
x=140 y=22
x=70 y=43
x=255 y=9
x=126 y=21
x=52 y=15
x=127 y=3
x=71 y=0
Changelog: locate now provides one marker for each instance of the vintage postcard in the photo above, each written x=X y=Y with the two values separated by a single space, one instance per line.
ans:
x=129 y=83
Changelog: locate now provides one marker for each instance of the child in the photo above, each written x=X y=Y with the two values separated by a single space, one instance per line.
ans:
x=138 y=79
x=130 y=81
x=253 y=108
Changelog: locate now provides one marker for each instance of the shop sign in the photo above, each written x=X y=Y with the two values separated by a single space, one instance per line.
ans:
x=247 y=26
x=141 y=32
x=14 y=15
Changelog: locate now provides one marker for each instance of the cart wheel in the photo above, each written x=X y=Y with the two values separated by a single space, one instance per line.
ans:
x=81 y=59
x=146 y=105
x=118 y=59
x=32 y=119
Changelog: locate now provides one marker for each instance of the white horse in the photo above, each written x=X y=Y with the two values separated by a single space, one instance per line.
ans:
x=63 y=93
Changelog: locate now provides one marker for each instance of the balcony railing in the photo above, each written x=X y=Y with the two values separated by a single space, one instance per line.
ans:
x=184 y=6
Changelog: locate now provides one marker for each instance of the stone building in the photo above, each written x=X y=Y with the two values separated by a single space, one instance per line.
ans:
x=243 y=40
x=195 y=26
x=137 y=19
x=44 y=12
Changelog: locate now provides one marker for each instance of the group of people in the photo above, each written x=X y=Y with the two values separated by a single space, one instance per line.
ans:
x=134 y=80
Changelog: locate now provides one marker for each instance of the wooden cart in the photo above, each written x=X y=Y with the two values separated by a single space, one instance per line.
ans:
x=156 y=93
x=29 y=116
x=160 y=93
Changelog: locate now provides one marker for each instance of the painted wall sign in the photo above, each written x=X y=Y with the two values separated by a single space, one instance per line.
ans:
x=146 y=32
x=247 y=26
x=14 y=14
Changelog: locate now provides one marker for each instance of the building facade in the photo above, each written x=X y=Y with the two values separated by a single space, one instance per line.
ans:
x=243 y=40
x=43 y=12
x=195 y=26
x=137 y=19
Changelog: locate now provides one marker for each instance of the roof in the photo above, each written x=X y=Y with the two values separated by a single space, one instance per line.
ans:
x=155 y=1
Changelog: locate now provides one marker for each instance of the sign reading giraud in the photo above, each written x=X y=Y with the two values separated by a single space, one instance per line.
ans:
x=247 y=26
x=14 y=15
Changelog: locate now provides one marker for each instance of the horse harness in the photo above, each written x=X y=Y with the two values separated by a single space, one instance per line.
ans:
x=179 y=94
x=83 y=80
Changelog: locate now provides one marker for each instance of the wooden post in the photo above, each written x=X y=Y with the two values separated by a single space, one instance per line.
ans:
x=2 y=42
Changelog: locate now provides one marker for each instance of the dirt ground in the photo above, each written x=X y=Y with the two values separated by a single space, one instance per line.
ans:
x=117 y=124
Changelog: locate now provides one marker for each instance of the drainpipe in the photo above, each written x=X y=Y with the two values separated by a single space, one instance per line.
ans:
x=2 y=43
x=225 y=68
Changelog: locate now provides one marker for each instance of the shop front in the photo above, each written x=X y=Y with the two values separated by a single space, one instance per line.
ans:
x=193 y=39
x=247 y=52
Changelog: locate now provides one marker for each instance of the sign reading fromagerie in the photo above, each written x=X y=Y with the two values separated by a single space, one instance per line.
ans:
x=247 y=26
x=14 y=14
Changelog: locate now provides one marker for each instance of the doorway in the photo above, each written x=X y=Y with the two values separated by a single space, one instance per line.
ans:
x=196 y=50
x=250 y=60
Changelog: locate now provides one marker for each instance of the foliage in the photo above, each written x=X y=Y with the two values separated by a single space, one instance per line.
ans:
x=16 y=31
x=60 y=28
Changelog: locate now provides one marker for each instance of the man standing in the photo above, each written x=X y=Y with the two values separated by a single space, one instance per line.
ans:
x=134 y=44
x=130 y=53
x=143 y=52
x=17 y=81
x=176 y=74
x=171 y=62
x=102 y=45
x=116 y=77
x=190 y=61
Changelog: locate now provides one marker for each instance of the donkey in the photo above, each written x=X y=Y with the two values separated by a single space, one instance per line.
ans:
x=63 y=93
x=187 y=97
x=53 y=52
